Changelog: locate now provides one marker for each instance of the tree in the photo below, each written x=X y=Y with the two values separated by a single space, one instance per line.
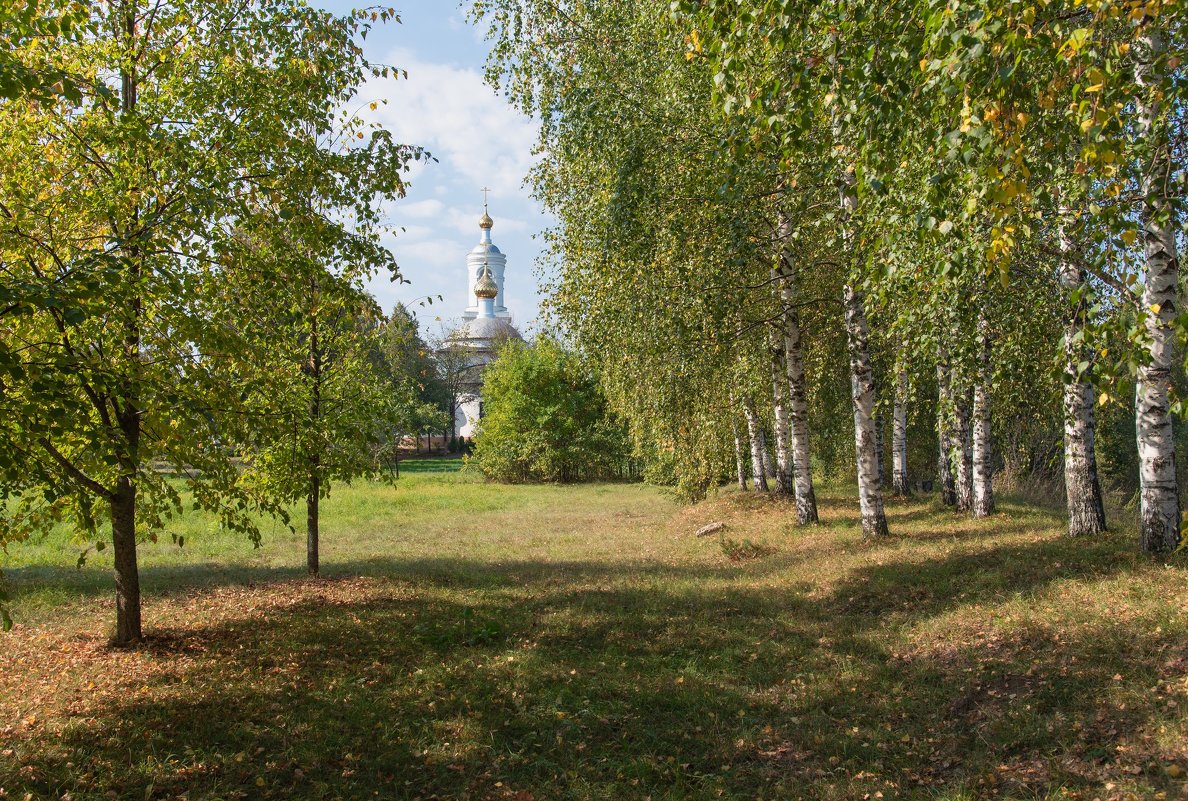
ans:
x=545 y=418
x=323 y=407
x=123 y=219
x=407 y=362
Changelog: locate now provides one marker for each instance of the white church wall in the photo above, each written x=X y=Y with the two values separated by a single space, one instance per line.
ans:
x=466 y=420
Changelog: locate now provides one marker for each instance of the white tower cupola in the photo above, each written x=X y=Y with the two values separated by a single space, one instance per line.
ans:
x=486 y=257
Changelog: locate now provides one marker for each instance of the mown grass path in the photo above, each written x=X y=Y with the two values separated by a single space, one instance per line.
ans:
x=479 y=641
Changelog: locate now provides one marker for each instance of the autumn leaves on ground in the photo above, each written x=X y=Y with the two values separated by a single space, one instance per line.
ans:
x=480 y=641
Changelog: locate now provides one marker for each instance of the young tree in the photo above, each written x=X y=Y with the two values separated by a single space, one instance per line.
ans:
x=120 y=216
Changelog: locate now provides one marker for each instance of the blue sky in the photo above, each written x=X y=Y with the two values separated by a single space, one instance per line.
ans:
x=477 y=139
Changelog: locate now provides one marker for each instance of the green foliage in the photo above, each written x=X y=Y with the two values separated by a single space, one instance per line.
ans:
x=205 y=135
x=545 y=418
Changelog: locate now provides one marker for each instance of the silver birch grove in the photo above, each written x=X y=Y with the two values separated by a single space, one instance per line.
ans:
x=1086 y=511
x=783 y=460
x=983 y=467
x=798 y=430
x=1159 y=502
x=899 y=466
x=755 y=434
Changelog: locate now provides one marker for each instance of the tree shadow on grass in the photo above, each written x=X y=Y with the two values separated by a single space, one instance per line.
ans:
x=459 y=679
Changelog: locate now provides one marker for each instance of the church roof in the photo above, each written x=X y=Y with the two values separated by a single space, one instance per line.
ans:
x=480 y=331
x=486 y=286
x=485 y=247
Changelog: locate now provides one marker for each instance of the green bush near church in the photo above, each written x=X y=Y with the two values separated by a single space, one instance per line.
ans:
x=546 y=419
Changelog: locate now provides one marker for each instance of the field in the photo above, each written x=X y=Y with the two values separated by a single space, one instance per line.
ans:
x=479 y=641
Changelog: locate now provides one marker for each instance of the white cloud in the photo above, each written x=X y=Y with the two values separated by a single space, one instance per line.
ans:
x=461 y=120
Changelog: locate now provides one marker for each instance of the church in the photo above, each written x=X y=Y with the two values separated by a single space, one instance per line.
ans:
x=486 y=325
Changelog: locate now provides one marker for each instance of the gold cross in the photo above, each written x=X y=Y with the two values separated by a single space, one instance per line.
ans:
x=485 y=191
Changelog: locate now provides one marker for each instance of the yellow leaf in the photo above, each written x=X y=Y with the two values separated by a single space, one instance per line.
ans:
x=373 y=105
x=1156 y=308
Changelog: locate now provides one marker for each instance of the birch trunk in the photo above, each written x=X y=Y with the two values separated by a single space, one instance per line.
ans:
x=962 y=456
x=899 y=465
x=944 y=430
x=755 y=433
x=862 y=386
x=1086 y=512
x=1159 y=505
x=783 y=461
x=738 y=455
x=880 y=447
x=798 y=430
x=768 y=463
x=983 y=468
x=870 y=490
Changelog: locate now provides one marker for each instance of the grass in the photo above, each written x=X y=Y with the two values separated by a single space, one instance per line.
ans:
x=488 y=642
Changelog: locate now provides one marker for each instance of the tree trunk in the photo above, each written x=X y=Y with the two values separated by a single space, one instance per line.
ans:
x=1086 y=512
x=1159 y=505
x=127 y=575
x=738 y=455
x=880 y=447
x=312 y=499
x=798 y=430
x=899 y=465
x=754 y=432
x=769 y=470
x=123 y=500
x=862 y=385
x=944 y=430
x=314 y=493
x=983 y=468
x=963 y=451
x=783 y=465
x=870 y=490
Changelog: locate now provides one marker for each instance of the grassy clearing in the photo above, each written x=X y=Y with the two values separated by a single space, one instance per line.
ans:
x=478 y=641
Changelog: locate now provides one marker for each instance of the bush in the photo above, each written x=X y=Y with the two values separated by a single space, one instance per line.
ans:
x=546 y=418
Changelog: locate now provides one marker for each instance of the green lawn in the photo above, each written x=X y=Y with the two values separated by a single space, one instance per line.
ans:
x=480 y=641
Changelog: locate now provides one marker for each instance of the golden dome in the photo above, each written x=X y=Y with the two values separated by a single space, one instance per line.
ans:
x=485 y=221
x=486 y=287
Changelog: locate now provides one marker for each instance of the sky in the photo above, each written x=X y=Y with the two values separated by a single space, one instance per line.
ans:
x=477 y=139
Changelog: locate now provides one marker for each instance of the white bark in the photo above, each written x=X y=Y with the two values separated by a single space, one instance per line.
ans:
x=870 y=489
x=1159 y=502
x=899 y=466
x=962 y=453
x=944 y=430
x=983 y=468
x=1086 y=512
x=738 y=455
x=755 y=433
x=798 y=430
x=783 y=461
x=862 y=387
